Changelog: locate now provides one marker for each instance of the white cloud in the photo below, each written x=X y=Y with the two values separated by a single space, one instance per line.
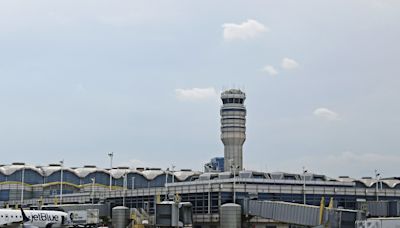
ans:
x=249 y=29
x=196 y=94
x=289 y=64
x=326 y=114
x=270 y=70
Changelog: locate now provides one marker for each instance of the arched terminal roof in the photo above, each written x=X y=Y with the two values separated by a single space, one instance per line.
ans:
x=369 y=182
x=187 y=174
x=48 y=170
x=392 y=183
x=82 y=172
x=86 y=170
x=10 y=169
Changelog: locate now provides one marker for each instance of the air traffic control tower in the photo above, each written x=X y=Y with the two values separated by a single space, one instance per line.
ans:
x=233 y=128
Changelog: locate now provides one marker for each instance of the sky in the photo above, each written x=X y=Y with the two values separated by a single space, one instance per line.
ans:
x=82 y=78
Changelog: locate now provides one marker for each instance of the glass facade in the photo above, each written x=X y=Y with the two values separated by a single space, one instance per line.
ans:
x=45 y=182
x=284 y=187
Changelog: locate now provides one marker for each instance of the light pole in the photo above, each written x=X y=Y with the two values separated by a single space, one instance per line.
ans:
x=93 y=182
x=166 y=177
x=166 y=184
x=61 y=180
x=124 y=188
x=233 y=168
x=209 y=197
x=304 y=184
x=111 y=155
x=23 y=184
x=173 y=175
x=377 y=176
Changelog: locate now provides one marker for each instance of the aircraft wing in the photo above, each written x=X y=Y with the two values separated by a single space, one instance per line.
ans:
x=16 y=225
x=12 y=224
x=29 y=226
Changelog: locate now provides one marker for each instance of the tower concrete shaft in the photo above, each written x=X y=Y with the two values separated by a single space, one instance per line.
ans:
x=233 y=128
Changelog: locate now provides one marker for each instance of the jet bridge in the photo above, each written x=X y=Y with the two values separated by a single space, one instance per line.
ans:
x=300 y=214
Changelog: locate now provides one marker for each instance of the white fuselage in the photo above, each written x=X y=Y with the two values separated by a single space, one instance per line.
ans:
x=37 y=218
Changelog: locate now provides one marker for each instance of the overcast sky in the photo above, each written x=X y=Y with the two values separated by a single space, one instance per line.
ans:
x=81 y=78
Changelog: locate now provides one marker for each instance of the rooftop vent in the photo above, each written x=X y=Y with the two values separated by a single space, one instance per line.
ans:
x=18 y=163
x=54 y=165
x=122 y=167
x=368 y=178
x=89 y=166
x=154 y=169
x=140 y=168
x=344 y=177
x=186 y=170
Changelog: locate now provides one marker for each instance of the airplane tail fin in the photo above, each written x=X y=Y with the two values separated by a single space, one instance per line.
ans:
x=24 y=217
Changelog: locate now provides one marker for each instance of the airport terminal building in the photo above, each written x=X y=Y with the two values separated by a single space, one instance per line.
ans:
x=206 y=191
x=45 y=182
x=30 y=185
